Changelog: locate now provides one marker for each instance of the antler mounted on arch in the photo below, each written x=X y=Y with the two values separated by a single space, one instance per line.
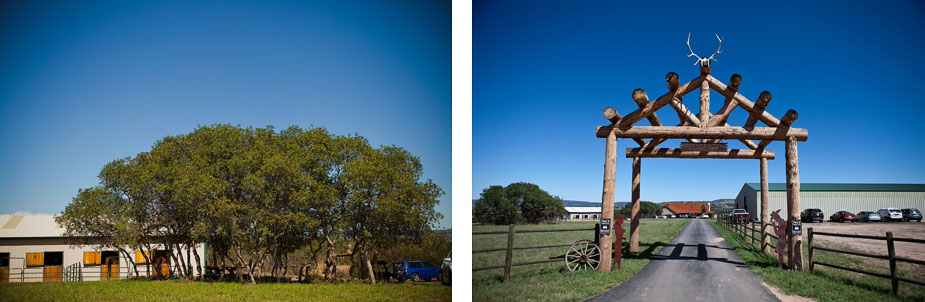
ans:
x=704 y=62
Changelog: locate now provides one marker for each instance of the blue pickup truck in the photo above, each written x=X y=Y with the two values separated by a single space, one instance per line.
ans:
x=416 y=270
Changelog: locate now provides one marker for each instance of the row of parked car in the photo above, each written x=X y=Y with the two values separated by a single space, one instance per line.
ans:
x=420 y=270
x=884 y=214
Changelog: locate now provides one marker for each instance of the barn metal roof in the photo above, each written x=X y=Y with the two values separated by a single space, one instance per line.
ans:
x=583 y=209
x=21 y=225
x=854 y=187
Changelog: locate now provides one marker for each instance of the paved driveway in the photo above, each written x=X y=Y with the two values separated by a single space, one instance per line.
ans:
x=697 y=265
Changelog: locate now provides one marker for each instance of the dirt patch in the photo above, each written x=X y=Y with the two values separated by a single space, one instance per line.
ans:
x=900 y=229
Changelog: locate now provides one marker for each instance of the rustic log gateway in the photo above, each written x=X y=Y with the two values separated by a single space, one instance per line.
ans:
x=703 y=133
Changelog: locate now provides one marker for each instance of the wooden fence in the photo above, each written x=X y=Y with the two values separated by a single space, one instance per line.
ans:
x=891 y=256
x=510 y=248
x=752 y=230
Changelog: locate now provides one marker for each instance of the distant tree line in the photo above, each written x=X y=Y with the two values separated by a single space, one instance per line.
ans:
x=256 y=195
x=646 y=209
x=517 y=203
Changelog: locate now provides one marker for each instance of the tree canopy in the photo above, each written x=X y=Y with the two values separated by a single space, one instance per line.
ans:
x=646 y=209
x=517 y=202
x=256 y=195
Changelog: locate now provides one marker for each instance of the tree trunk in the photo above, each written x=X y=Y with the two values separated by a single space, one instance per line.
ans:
x=198 y=263
x=369 y=266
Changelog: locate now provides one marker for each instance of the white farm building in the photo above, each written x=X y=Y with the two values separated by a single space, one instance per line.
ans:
x=33 y=249
x=582 y=213
x=834 y=197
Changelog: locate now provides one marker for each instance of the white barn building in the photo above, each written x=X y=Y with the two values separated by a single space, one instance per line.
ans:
x=833 y=197
x=582 y=213
x=33 y=249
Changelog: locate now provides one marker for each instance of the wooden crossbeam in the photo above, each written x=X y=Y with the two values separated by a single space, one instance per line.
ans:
x=785 y=122
x=614 y=117
x=761 y=133
x=678 y=153
x=663 y=100
x=730 y=103
x=641 y=99
x=760 y=104
x=743 y=102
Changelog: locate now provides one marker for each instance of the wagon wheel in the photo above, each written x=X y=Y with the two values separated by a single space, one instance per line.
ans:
x=583 y=254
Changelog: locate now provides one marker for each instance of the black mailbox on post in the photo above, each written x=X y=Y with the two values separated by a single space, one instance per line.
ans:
x=796 y=227
x=605 y=226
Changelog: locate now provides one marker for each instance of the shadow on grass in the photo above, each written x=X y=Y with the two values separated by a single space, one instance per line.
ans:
x=756 y=259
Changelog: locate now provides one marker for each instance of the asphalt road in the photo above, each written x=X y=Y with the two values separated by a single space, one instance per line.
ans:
x=697 y=265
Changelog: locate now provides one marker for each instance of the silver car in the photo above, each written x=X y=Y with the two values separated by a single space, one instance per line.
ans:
x=867 y=216
x=890 y=214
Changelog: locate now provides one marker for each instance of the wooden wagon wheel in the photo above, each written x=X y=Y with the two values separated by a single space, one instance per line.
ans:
x=583 y=254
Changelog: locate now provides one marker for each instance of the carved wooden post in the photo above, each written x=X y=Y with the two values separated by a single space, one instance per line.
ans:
x=793 y=204
x=765 y=240
x=634 y=223
x=610 y=165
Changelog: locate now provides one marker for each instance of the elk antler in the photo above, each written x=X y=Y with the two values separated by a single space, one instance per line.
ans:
x=717 y=47
x=692 y=54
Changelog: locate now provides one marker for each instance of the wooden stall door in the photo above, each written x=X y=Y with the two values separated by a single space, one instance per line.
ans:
x=4 y=274
x=165 y=266
x=53 y=273
x=110 y=269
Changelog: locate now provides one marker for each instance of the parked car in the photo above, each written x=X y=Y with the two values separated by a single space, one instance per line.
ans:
x=867 y=216
x=842 y=216
x=890 y=214
x=811 y=215
x=446 y=269
x=912 y=214
x=704 y=216
x=672 y=216
x=416 y=270
x=741 y=213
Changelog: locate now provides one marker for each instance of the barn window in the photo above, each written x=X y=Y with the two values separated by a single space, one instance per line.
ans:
x=109 y=256
x=139 y=259
x=4 y=259
x=92 y=258
x=54 y=258
x=34 y=259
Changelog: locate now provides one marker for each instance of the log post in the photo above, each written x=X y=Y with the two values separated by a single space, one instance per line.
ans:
x=610 y=166
x=793 y=204
x=634 y=224
x=765 y=240
x=704 y=114
x=758 y=110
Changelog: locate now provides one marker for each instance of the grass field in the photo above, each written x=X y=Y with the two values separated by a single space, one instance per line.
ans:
x=824 y=284
x=221 y=291
x=552 y=281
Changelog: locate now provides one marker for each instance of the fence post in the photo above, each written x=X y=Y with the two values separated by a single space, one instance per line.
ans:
x=510 y=250
x=892 y=253
x=810 y=237
x=752 y=224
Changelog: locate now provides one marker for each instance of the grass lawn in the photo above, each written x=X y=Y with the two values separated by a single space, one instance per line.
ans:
x=553 y=281
x=824 y=284
x=221 y=291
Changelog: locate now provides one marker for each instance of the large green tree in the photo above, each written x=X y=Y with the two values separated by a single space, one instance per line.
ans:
x=517 y=202
x=257 y=195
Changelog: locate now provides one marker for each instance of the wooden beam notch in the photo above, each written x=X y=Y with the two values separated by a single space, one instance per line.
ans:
x=762 y=102
x=784 y=125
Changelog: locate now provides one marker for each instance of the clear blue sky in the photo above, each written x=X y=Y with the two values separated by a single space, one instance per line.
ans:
x=542 y=73
x=84 y=82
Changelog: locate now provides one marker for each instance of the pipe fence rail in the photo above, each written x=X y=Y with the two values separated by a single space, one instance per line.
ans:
x=510 y=248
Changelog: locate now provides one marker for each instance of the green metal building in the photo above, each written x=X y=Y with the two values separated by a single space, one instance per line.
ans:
x=834 y=197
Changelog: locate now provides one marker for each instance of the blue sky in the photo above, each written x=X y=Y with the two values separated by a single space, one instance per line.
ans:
x=542 y=73
x=83 y=83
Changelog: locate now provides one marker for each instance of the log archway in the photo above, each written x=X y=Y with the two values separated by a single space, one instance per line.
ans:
x=702 y=134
